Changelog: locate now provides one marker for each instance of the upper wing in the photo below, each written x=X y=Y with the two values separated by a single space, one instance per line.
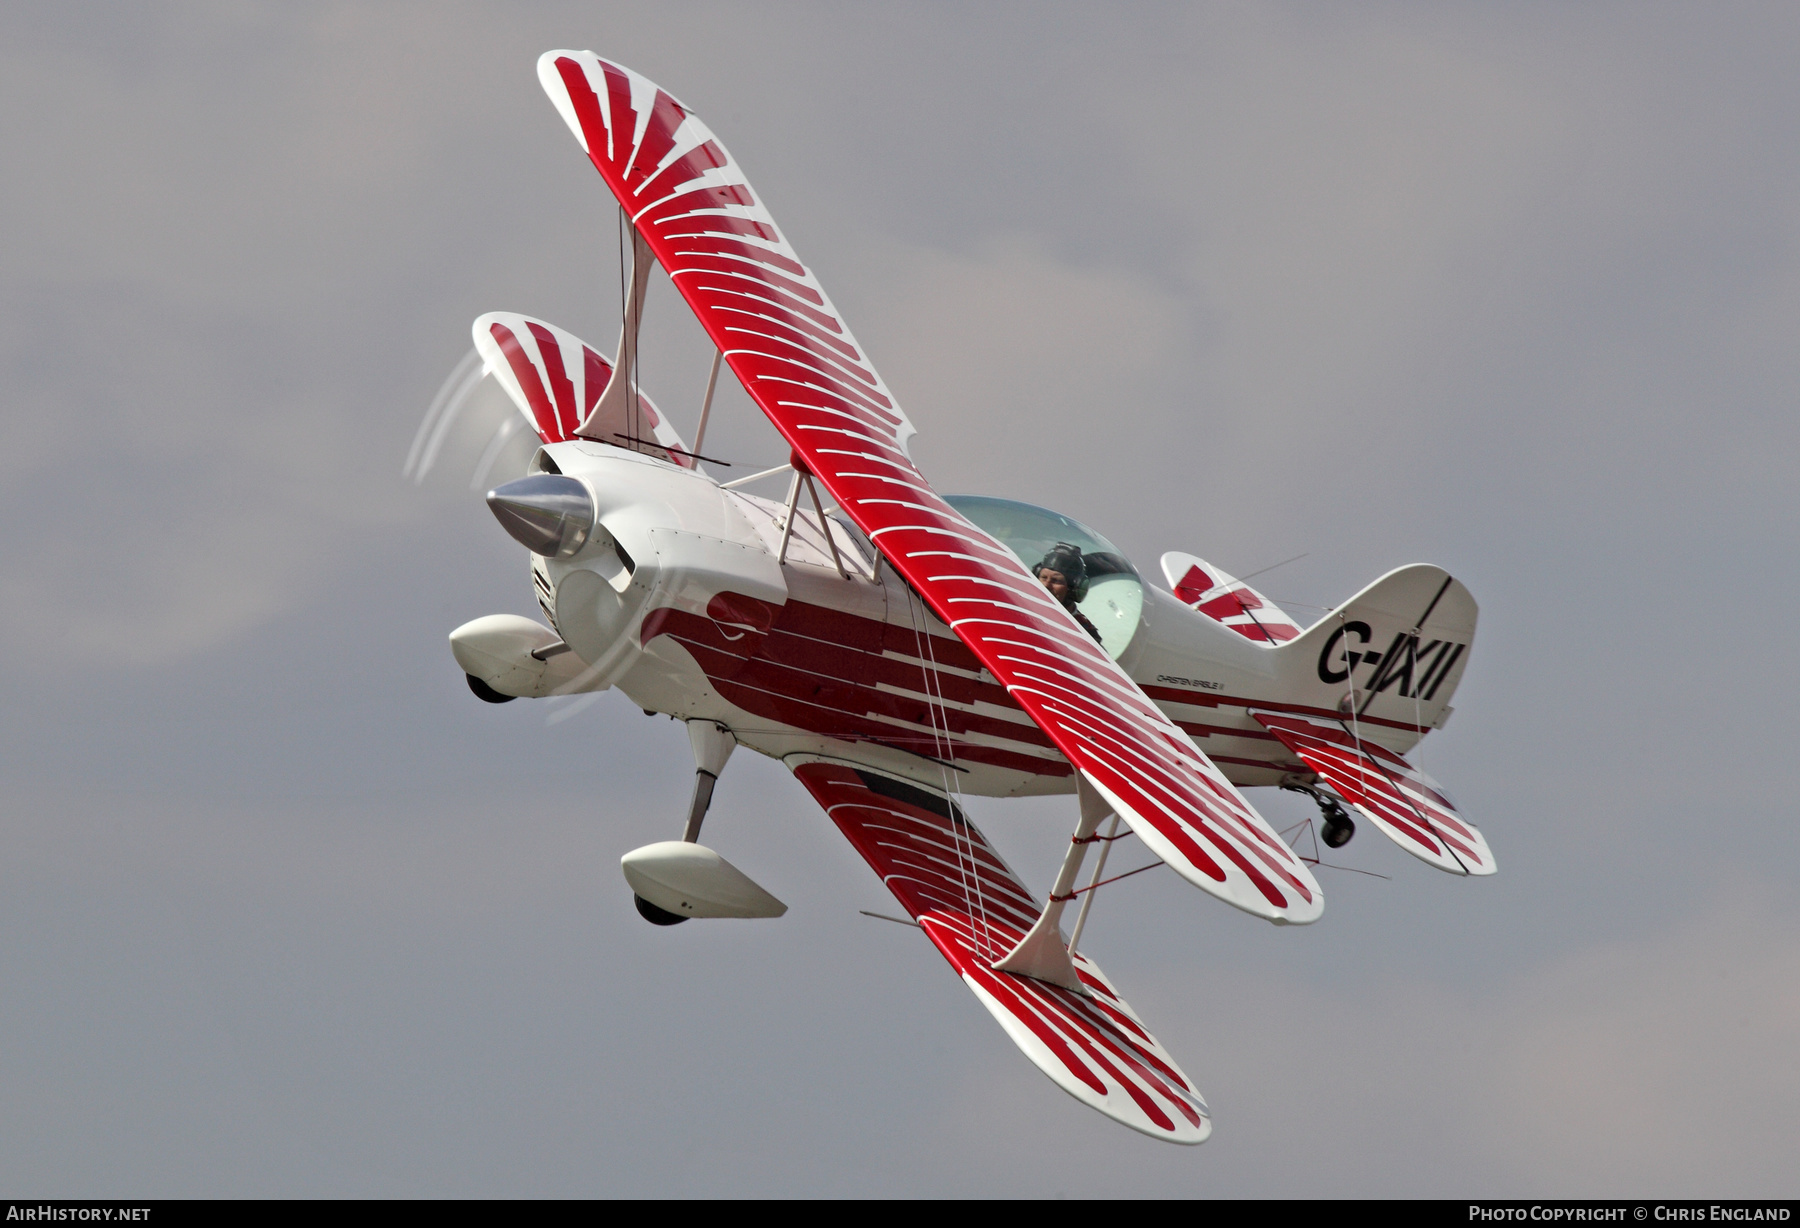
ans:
x=1400 y=799
x=791 y=351
x=555 y=379
x=975 y=910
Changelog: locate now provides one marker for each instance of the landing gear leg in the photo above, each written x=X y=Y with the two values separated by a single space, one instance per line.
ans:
x=712 y=745
x=1042 y=954
x=1335 y=825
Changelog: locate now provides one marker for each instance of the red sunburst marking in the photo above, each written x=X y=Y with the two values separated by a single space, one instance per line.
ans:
x=973 y=908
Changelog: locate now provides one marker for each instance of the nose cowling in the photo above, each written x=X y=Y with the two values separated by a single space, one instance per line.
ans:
x=547 y=513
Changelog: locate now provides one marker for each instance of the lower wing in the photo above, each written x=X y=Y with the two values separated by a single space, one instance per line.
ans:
x=975 y=910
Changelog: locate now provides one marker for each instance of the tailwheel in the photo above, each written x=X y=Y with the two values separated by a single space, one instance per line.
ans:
x=1337 y=828
x=1335 y=824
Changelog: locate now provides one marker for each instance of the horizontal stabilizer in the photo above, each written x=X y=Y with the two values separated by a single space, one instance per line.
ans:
x=556 y=379
x=975 y=910
x=1226 y=600
x=1396 y=796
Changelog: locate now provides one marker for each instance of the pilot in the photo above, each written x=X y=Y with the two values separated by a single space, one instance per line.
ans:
x=1065 y=575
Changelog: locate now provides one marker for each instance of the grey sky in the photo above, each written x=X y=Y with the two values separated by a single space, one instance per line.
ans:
x=1511 y=289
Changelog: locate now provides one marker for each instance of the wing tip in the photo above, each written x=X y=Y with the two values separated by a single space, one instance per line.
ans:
x=548 y=77
x=1315 y=908
x=549 y=58
x=1115 y=1102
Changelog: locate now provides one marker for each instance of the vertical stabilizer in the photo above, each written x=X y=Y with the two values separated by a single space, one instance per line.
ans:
x=1394 y=652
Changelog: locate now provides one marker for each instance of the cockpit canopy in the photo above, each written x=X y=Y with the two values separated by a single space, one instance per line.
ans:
x=1111 y=595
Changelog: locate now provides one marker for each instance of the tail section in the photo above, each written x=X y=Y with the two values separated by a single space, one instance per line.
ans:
x=1394 y=652
x=1405 y=803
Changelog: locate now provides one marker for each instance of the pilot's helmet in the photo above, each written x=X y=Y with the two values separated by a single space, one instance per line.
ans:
x=1067 y=559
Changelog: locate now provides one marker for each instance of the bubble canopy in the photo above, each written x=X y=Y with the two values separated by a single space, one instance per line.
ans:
x=1112 y=596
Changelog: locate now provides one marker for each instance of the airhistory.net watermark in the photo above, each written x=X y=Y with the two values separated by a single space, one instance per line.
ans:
x=51 y=1213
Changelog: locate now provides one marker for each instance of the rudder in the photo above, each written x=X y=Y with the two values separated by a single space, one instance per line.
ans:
x=1394 y=652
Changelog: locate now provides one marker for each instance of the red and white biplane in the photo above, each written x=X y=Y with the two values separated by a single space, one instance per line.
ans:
x=899 y=650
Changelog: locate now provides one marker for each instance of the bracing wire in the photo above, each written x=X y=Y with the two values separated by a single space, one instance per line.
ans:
x=942 y=744
x=637 y=347
x=630 y=371
x=1317 y=859
x=954 y=788
x=619 y=236
x=931 y=711
x=980 y=929
x=1362 y=756
x=1364 y=760
x=1272 y=566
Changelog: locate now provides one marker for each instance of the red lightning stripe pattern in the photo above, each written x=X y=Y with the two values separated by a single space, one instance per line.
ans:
x=1232 y=603
x=794 y=355
x=555 y=379
x=974 y=910
x=1400 y=799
